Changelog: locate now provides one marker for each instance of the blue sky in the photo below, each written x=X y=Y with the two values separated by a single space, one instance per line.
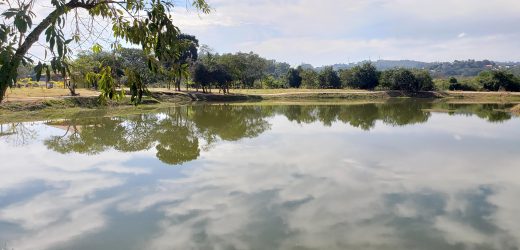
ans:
x=341 y=31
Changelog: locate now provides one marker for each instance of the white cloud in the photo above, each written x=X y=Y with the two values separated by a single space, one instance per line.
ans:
x=326 y=32
x=330 y=51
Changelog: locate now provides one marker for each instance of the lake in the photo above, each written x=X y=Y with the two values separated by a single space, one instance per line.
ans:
x=402 y=174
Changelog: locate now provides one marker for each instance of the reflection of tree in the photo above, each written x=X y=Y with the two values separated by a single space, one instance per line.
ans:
x=138 y=133
x=493 y=112
x=88 y=136
x=404 y=112
x=298 y=113
x=328 y=114
x=176 y=140
x=229 y=122
x=176 y=133
x=17 y=134
x=363 y=116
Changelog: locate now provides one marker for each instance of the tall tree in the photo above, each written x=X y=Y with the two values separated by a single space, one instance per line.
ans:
x=293 y=78
x=329 y=79
x=147 y=23
x=364 y=76
x=179 y=67
x=309 y=78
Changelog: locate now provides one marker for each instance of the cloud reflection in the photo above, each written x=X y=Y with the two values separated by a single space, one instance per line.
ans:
x=302 y=180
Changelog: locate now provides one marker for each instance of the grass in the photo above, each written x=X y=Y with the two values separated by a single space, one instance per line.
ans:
x=516 y=109
x=42 y=93
x=292 y=91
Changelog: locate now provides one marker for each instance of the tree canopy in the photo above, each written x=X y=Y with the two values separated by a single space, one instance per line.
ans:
x=147 y=23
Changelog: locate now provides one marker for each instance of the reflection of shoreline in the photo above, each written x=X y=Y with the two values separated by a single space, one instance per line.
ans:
x=176 y=132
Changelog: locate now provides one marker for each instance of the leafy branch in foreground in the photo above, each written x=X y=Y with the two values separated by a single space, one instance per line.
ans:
x=147 y=23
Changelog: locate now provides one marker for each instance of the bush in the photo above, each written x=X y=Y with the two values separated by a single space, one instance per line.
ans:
x=309 y=79
x=328 y=78
x=461 y=86
x=453 y=80
x=499 y=80
x=364 y=77
x=407 y=80
x=272 y=83
x=424 y=80
x=441 y=84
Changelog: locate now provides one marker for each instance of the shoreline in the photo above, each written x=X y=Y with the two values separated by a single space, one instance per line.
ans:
x=58 y=107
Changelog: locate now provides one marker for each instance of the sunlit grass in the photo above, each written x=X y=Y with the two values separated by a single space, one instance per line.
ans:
x=516 y=109
x=289 y=91
x=15 y=94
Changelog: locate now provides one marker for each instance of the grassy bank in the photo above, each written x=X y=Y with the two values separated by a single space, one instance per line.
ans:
x=30 y=104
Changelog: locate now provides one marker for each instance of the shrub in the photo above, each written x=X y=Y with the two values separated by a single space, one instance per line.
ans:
x=453 y=80
x=424 y=80
x=364 y=77
x=499 y=80
x=272 y=83
x=461 y=86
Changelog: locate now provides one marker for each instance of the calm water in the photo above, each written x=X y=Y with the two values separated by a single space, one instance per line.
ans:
x=401 y=175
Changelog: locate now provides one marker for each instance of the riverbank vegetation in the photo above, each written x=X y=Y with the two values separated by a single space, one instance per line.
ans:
x=169 y=58
x=203 y=70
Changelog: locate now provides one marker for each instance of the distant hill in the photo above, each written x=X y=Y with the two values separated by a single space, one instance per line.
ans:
x=464 y=68
x=384 y=64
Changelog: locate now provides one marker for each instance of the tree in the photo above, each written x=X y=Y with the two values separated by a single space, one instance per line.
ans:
x=328 y=78
x=201 y=75
x=453 y=80
x=147 y=23
x=134 y=60
x=245 y=67
x=406 y=80
x=309 y=78
x=364 y=76
x=424 y=80
x=346 y=77
x=179 y=67
x=294 y=80
x=499 y=80
x=221 y=77
x=399 y=79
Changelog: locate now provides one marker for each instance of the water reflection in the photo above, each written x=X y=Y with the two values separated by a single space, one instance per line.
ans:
x=414 y=175
x=178 y=134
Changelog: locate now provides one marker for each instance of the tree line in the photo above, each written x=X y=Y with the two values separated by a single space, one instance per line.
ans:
x=202 y=69
x=198 y=67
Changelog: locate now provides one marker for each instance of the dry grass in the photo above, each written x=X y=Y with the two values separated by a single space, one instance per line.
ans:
x=292 y=91
x=516 y=109
x=32 y=94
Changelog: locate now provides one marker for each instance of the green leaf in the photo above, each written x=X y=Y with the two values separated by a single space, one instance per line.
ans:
x=8 y=14
x=97 y=48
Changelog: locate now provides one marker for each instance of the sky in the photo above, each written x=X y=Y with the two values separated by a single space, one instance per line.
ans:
x=342 y=31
